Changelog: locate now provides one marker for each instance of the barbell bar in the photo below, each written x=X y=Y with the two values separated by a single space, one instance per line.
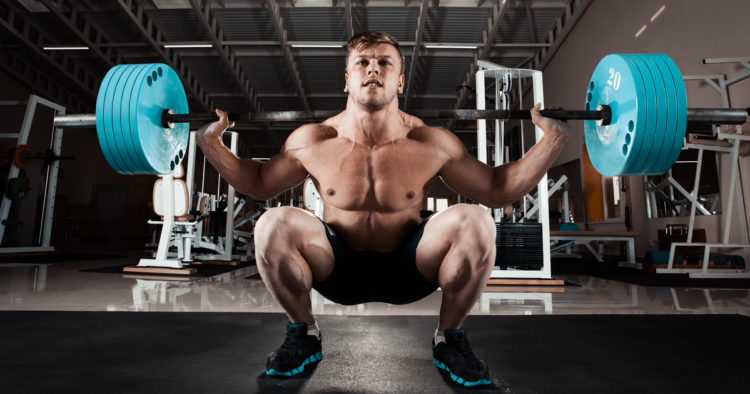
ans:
x=695 y=116
x=635 y=116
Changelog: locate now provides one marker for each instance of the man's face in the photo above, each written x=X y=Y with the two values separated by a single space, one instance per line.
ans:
x=373 y=75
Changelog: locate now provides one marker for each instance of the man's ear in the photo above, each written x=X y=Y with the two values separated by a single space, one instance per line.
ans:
x=401 y=84
x=346 y=82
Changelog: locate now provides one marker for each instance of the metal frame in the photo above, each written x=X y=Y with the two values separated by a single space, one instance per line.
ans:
x=50 y=183
x=193 y=238
x=496 y=72
x=736 y=138
x=411 y=79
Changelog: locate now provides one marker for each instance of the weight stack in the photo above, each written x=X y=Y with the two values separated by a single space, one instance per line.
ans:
x=519 y=246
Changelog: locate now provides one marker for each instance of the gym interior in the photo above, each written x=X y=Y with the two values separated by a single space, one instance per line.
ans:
x=129 y=267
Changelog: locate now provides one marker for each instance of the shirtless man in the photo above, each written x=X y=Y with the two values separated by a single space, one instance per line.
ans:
x=373 y=164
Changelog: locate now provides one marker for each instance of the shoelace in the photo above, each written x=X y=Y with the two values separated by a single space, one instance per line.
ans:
x=465 y=350
x=288 y=346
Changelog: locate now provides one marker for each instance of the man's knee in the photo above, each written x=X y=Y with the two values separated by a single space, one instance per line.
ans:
x=274 y=231
x=274 y=221
x=473 y=225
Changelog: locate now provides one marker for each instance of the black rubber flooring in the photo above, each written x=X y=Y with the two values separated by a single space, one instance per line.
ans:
x=610 y=270
x=127 y=352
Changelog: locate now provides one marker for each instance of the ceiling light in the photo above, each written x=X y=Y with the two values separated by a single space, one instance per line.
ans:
x=450 y=46
x=639 y=32
x=658 y=12
x=66 y=48
x=313 y=45
x=188 y=45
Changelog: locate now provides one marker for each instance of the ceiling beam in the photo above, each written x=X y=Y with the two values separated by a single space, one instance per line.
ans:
x=69 y=12
x=137 y=14
x=82 y=81
x=349 y=18
x=330 y=44
x=246 y=4
x=226 y=53
x=488 y=37
x=331 y=95
x=278 y=23
x=332 y=52
x=410 y=78
x=560 y=30
x=32 y=76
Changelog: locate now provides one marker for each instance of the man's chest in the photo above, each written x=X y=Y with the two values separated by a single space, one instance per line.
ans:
x=387 y=177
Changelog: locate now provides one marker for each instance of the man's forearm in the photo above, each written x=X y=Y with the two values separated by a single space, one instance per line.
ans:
x=242 y=174
x=521 y=176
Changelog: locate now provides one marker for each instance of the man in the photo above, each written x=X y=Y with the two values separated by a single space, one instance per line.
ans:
x=372 y=165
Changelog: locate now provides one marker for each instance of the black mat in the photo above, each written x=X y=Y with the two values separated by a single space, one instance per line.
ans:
x=57 y=258
x=203 y=270
x=126 y=352
x=610 y=270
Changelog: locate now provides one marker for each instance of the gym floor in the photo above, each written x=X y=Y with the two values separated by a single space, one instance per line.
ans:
x=63 y=287
x=71 y=330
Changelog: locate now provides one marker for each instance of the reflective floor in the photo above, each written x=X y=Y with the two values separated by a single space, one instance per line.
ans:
x=62 y=287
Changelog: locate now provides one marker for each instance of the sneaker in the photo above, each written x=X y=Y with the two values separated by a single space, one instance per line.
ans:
x=456 y=358
x=298 y=350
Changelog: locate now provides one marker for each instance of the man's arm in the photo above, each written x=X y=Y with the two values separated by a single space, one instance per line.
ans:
x=260 y=181
x=498 y=186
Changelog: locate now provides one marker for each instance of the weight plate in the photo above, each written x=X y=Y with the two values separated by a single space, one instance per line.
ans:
x=661 y=137
x=22 y=157
x=129 y=126
x=682 y=107
x=120 y=131
x=650 y=141
x=618 y=83
x=114 y=129
x=17 y=188
x=673 y=137
x=159 y=90
x=104 y=118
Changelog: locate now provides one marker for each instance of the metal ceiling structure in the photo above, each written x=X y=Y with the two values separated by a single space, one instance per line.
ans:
x=256 y=55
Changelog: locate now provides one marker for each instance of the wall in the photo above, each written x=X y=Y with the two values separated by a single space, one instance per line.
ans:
x=688 y=31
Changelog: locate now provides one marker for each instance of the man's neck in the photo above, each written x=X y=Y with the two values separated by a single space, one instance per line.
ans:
x=371 y=127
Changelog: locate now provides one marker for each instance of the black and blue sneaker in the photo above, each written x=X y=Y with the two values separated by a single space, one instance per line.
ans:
x=297 y=351
x=455 y=357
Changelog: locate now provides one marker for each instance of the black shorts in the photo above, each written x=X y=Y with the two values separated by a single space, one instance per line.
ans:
x=366 y=276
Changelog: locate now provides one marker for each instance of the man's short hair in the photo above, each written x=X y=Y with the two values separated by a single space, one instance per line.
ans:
x=369 y=38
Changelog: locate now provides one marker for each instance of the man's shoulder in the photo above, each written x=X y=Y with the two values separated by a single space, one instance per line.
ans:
x=441 y=141
x=310 y=134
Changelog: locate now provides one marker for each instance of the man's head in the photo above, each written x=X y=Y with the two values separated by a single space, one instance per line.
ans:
x=374 y=69
x=368 y=38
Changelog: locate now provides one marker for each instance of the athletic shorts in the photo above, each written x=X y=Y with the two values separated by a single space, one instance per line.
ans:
x=366 y=276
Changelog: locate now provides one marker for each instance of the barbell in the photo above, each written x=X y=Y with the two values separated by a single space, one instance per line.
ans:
x=635 y=116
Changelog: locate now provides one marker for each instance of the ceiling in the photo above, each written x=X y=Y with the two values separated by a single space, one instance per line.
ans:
x=263 y=55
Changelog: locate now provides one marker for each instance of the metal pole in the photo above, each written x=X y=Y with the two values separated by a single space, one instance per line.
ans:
x=694 y=116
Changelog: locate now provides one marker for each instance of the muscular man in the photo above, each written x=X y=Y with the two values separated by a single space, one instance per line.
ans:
x=373 y=164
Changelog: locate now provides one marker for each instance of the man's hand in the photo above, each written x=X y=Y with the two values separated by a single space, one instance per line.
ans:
x=214 y=130
x=553 y=127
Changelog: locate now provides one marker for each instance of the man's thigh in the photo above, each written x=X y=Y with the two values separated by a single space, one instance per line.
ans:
x=285 y=230
x=454 y=224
